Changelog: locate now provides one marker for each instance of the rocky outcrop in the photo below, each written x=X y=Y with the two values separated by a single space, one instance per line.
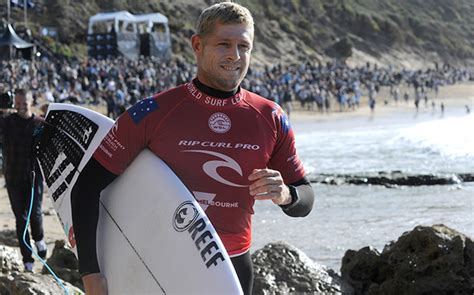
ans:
x=283 y=269
x=13 y=281
x=33 y=284
x=9 y=260
x=426 y=260
x=392 y=179
x=65 y=264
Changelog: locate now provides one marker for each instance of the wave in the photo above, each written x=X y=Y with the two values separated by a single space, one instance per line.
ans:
x=452 y=137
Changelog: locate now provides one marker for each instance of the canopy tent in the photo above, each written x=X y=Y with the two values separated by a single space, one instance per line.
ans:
x=153 y=17
x=150 y=19
x=149 y=35
x=10 y=38
x=11 y=44
x=154 y=35
x=112 y=19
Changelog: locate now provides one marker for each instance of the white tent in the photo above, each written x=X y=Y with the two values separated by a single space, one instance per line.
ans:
x=152 y=18
x=148 y=20
x=113 y=20
x=128 y=34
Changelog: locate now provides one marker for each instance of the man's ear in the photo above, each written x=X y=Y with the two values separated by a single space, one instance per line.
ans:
x=196 y=43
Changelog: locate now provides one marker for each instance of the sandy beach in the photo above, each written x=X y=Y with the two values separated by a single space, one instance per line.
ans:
x=454 y=98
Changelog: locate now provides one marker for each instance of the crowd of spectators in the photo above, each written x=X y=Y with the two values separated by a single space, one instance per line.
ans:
x=118 y=83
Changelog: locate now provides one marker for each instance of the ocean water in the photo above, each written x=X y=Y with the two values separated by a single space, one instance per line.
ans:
x=352 y=217
x=440 y=145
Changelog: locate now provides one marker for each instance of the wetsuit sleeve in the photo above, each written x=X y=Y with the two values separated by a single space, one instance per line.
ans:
x=85 y=213
x=302 y=199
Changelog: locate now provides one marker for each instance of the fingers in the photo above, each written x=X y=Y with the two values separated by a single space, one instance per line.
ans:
x=268 y=184
x=265 y=182
x=262 y=173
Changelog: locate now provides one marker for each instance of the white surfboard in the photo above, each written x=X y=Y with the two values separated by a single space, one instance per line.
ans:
x=153 y=237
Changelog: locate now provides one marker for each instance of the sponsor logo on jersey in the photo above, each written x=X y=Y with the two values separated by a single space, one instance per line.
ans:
x=140 y=110
x=110 y=144
x=218 y=144
x=114 y=129
x=207 y=199
x=187 y=218
x=210 y=167
x=219 y=123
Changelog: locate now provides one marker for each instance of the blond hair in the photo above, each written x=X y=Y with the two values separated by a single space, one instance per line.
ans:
x=224 y=13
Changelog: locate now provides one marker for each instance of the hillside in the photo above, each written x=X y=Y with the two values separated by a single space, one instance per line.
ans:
x=405 y=33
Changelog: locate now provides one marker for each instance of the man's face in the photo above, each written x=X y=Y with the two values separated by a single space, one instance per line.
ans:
x=223 y=55
x=22 y=105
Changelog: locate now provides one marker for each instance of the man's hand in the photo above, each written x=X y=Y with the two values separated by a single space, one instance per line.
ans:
x=95 y=284
x=268 y=184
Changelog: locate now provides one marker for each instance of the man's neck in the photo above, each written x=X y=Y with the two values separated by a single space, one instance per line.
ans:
x=214 y=92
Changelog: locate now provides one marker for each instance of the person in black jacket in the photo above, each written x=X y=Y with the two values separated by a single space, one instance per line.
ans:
x=16 y=133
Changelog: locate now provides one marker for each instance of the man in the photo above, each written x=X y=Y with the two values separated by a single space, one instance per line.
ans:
x=217 y=137
x=16 y=132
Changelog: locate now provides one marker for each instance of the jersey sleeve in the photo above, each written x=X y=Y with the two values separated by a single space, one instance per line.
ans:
x=129 y=135
x=284 y=157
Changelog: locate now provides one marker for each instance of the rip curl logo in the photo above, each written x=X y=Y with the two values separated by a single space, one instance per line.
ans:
x=210 y=167
x=219 y=123
x=184 y=216
x=114 y=129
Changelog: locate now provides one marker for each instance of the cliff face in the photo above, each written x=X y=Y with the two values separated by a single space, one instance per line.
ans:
x=299 y=30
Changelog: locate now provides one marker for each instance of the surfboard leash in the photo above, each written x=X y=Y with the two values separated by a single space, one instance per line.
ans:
x=29 y=247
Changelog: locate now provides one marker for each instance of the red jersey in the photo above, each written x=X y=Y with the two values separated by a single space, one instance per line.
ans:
x=213 y=145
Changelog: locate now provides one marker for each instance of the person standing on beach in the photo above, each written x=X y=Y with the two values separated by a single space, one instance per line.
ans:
x=209 y=110
x=16 y=133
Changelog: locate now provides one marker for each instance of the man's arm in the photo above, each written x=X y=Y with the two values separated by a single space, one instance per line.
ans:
x=85 y=213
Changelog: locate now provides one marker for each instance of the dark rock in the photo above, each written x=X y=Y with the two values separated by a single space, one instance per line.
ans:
x=361 y=268
x=33 y=284
x=466 y=177
x=62 y=261
x=426 y=260
x=392 y=179
x=65 y=264
x=282 y=269
x=9 y=260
